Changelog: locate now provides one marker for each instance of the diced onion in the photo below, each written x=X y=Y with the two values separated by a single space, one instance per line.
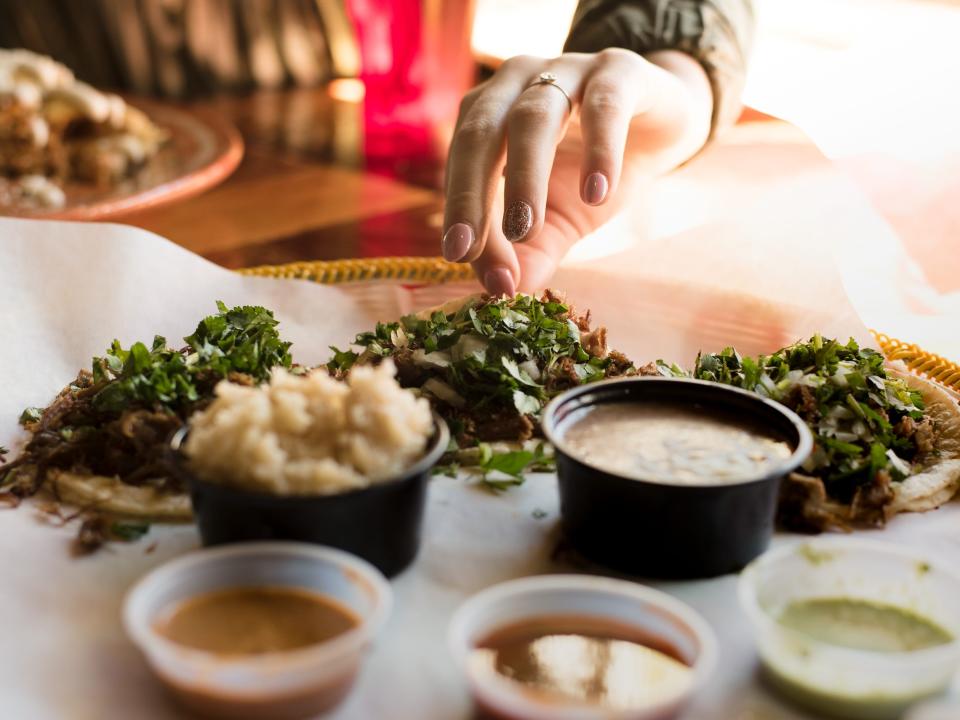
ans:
x=437 y=358
x=441 y=390
x=399 y=338
x=898 y=462
x=817 y=459
x=531 y=369
x=840 y=412
x=467 y=345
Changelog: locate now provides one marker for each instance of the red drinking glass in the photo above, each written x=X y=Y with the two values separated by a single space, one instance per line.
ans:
x=416 y=63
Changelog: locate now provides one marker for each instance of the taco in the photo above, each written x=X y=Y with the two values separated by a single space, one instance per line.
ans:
x=489 y=365
x=100 y=445
x=936 y=475
x=885 y=441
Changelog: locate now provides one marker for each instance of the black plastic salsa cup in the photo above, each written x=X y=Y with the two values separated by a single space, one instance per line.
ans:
x=654 y=529
x=381 y=523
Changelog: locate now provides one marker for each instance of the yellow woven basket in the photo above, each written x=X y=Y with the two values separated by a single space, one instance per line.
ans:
x=438 y=270
x=330 y=272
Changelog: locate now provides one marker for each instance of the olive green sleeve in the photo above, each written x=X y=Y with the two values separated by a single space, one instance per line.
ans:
x=718 y=33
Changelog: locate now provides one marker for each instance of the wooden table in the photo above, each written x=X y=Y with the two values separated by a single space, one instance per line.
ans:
x=304 y=190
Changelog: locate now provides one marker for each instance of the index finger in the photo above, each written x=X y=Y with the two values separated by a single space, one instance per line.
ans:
x=476 y=160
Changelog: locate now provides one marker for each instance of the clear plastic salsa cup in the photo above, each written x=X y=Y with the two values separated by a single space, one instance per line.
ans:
x=654 y=614
x=283 y=685
x=838 y=681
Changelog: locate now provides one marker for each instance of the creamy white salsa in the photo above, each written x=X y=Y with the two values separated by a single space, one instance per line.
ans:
x=671 y=444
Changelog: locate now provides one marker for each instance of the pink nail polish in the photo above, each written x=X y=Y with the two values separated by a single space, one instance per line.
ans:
x=456 y=242
x=517 y=221
x=595 y=188
x=499 y=281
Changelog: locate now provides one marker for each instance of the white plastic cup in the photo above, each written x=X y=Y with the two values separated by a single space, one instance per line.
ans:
x=845 y=682
x=292 y=684
x=653 y=613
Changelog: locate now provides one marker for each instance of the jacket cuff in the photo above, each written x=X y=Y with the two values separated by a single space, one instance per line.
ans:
x=717 y=33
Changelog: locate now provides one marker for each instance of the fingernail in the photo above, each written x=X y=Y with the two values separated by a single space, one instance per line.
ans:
x=517 y=221
x=595 y=188
x=499 y=281
x=456 y=242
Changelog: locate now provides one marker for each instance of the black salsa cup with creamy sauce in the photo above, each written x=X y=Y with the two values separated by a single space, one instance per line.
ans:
x=654 y=529
x=381 y=523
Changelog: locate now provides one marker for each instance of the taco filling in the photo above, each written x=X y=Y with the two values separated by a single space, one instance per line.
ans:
x=490 y=365
x=99 y=445
x=884 y=441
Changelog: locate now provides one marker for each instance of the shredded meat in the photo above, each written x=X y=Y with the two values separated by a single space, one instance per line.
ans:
x=581 y=321
x=906 y=427
x=803 y=402
x=924 y=436
x=871 y=502
x=550 y=295
x=409 y=374
x=72 y=435
x=648 y=370
x=562 y=376
x=9 y=499
x=134 y=446
x=619 y=364
x=804 y=507
x=490 y=426
x=595 y=342
x=239 y=378
x=94 y=531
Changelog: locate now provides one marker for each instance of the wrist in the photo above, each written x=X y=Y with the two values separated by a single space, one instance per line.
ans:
x=686 y=97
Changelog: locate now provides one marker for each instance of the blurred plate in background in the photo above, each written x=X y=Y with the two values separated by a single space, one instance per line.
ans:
x=203 y=150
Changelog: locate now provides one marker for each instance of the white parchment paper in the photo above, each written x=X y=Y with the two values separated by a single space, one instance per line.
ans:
x=66 y=290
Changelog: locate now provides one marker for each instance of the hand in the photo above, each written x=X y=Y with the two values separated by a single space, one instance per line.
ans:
x=563 y=175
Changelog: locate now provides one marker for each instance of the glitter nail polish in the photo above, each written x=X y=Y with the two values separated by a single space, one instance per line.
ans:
x=517 y=221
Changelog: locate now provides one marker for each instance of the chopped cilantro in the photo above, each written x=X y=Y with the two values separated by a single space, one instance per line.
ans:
x=449 y=470
x=129 y=531
x=342 y=360
x=507 y=468
x=508 y=353
x=31 y=415
x=241 y=339
x=236 y=340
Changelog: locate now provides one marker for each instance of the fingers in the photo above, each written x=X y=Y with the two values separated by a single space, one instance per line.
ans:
x=505 y=267
x=538 y=259
x=611 y=97
x=497 y=267
x=535 y=124
x=476 y=159
x=509 y=127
